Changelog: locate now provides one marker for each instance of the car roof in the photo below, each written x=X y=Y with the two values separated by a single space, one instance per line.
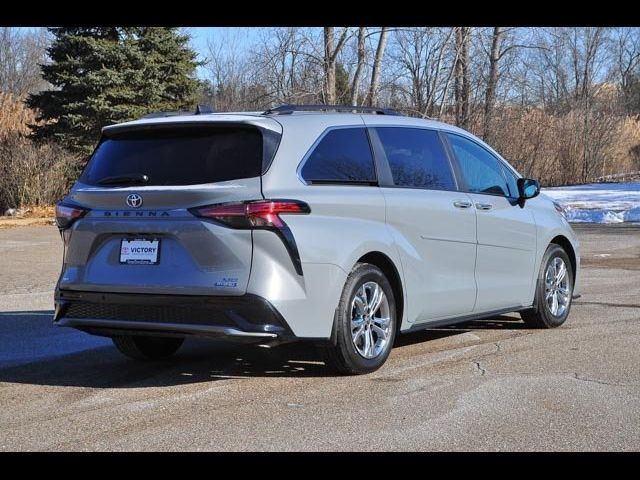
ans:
x=267 y=120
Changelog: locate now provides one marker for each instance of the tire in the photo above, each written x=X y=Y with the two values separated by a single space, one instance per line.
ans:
x=542 y=315
x=147 y=348
x=370 y=349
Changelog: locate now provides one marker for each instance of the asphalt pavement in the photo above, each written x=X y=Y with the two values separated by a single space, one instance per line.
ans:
x=486 y=385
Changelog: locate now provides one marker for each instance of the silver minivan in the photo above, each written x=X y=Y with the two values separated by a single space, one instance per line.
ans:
x=340 y=226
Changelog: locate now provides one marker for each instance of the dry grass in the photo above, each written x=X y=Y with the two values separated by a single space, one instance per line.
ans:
x=35 y=215
x=12 y=222
x=15 y=116
x=30 y=173
x=34 y=174
x=572 y=148
x=38 y=211
x=624 y=151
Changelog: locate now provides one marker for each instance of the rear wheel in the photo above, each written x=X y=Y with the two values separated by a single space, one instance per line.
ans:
x=364 y=323
x=554 y=290
x=147 y=348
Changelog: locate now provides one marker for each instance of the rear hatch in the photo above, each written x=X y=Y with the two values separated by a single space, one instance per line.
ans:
x=137 y=233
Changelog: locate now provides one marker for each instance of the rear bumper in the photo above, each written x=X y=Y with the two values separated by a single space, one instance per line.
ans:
x=248 y=318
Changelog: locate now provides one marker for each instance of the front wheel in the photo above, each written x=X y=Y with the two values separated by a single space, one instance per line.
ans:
x=554 y=290
x=365 y=323
x=147 y=348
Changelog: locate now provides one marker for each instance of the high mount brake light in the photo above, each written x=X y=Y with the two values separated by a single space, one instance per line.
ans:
x=66 y=215
x=257 y=214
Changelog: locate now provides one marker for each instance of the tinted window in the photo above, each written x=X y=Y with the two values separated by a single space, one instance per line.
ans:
x=343 y=155
x=416 y=158
x=481 y=170
x=182 y=156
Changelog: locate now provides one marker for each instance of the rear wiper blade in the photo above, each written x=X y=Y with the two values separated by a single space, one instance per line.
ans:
x=124 y=179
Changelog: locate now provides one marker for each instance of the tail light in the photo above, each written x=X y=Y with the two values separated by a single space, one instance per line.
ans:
x=259 y=214
x=256 y=214
x=66 y=215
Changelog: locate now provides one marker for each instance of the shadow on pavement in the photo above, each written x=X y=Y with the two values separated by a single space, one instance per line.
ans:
x=33 y=351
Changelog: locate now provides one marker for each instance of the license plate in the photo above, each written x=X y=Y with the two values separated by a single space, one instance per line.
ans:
x=139 y=252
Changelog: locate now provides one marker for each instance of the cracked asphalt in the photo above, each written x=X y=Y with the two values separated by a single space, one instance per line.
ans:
x=486 y=385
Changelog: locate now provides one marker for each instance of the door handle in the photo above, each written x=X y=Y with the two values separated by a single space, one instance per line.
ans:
x=462 y=204
x=484 y=206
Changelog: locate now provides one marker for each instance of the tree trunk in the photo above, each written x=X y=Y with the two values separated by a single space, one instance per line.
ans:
x=462 y=88
x=372 y=97
x=329 y=67
x=330 y=55
x=362 y=56
x=492 y=83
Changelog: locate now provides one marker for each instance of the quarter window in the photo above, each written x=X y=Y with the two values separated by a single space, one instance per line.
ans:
x=342 y=156
x=480 y=169
x=416 y=158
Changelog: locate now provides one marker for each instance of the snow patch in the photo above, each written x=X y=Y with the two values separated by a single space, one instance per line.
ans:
x=599 y=202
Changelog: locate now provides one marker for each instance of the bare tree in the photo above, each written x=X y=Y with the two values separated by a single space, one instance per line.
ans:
x=285 y=67
x=492 y=82
x=462 y=78
x=372 y=96
x=362 y=58
x=228 y=72
x=585 y=45
x=561 y=103
x=331 y=51
x=585 y=48
x=627 y=67
x=21 y=53
x=424 y=56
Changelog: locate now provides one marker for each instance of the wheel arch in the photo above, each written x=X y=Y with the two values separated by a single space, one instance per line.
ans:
x=388 y=267
x=566 y=245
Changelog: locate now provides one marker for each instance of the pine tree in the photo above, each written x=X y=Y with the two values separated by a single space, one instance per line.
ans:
x=105 y=75
x=343 y=88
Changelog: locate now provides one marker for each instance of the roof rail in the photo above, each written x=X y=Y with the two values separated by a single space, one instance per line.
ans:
x=200 y=110
x=289 y=109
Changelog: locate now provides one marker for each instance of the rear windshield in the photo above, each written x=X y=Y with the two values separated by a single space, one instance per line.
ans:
x=180 y=156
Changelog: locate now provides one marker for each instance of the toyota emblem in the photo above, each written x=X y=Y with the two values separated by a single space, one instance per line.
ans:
x=134 y=200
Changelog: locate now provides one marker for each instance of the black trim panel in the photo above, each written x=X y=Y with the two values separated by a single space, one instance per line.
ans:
x=245 y=315
x=102 y=327
x=285 y=234
x=462 y=319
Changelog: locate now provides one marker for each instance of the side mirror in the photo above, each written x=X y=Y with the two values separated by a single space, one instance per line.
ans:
x=527 y=188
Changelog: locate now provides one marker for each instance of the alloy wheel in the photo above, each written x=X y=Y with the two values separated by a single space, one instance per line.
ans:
x=557 y=290
x=370 y=320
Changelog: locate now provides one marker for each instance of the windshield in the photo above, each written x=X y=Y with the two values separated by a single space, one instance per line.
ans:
x=177 y=156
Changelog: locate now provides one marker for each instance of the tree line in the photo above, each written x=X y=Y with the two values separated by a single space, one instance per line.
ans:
x=561 y=103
